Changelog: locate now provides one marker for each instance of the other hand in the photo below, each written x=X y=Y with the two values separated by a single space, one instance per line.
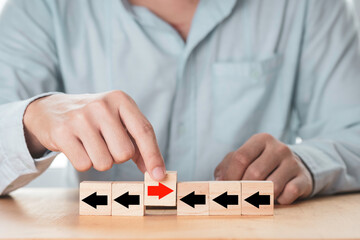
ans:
x=263 y=157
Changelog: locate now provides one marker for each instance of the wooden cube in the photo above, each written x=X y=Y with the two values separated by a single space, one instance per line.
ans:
x=225 y=197
x=95 y=198
x=257 y=197
x=161 y=193
x=128 y=199
x=193 y=198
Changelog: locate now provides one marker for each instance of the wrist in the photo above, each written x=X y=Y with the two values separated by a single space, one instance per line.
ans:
x=308 y=175
x=35 y=148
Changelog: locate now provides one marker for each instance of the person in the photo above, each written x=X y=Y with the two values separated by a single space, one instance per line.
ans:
x=224 y=90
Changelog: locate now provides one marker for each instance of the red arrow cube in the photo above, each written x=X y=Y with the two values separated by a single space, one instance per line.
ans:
x=161 y=190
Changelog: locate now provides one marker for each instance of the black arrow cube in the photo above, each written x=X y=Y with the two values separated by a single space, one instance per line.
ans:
x=257 y=197
x=192 y=198
x=95 y=198
x=225 y=197
x=128 y=198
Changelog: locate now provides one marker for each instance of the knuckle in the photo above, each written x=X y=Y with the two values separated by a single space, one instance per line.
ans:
x=119 y=95
x=146 y=129
x=283 y=150
x=83 y=166
x=293 y=161
x=104 y=166
x=77 y=116
x=265 y=136
x=293 y=189
x=59 y=131
x=241 y=159
x=78 y=119
x=97 y=104
x=125 y=155
x=115 y=93
x=254 y=173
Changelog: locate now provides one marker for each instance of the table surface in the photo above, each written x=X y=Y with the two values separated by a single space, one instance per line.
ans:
x=53 y=213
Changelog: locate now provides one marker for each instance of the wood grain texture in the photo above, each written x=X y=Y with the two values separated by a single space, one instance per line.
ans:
x=133 y=189
x=249 y=188
x=169 y=181
x=185 y=188
x=217 y=188
x=101 y=189
x=32 y=213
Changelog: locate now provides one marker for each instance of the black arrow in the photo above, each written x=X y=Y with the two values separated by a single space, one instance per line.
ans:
x=225 y=199
x=256 y=199
x=191 y=199
x=127 y=199
x=95 y=200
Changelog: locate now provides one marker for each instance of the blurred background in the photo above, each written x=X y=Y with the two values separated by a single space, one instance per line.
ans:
x=53 y=177
x=2 y=2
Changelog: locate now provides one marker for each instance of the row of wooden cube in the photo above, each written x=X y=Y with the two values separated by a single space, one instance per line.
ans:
x=192 y=198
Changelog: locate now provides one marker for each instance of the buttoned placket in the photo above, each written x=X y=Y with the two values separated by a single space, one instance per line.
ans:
x=182 y=132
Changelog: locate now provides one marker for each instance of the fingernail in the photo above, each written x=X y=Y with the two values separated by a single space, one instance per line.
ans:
x=158 y=173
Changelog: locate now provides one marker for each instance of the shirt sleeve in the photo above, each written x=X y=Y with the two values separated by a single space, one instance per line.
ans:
x=327 y=98
x=28 y=70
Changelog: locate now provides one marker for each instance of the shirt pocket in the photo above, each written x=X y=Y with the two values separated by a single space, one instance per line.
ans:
x=240 y=94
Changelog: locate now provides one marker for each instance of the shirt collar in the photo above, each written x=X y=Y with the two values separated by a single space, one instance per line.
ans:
x=208 y=15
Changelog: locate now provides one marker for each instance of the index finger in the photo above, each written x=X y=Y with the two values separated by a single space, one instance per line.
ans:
x=143 y=133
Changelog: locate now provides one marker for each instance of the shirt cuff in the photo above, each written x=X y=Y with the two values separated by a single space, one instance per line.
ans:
x=15 y=158
x=315 y=160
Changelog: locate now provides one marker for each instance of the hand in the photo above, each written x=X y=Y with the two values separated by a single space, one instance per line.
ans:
x=263 y=157
x=93 y=130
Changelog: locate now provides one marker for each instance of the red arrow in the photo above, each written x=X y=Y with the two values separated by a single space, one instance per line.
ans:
x=160 y=190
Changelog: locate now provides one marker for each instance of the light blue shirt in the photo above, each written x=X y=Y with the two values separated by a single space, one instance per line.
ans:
x=288 y=68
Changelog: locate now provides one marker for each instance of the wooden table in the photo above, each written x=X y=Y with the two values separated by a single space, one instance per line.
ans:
x=53 y=213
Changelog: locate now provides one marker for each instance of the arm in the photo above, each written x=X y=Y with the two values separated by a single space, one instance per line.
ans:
x=28 y=68
x=327 y=102
x=328 y=98
x=92 y=130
